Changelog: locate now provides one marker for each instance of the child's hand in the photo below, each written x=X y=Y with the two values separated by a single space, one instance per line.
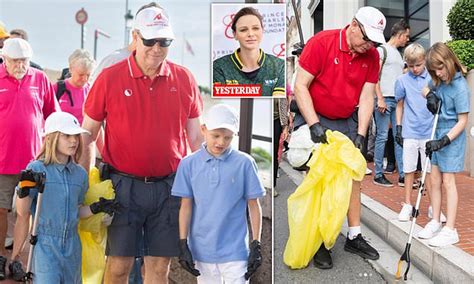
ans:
x=186 y=258
x=109 y=206
x=255 y=259
x=433 y=102
x=27 y=181
x=435 y=145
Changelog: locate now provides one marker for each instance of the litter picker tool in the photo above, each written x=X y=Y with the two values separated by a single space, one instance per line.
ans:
x=40 y=177
x=406 y=254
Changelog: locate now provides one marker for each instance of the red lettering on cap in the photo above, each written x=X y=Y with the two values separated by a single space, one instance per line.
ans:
x=381 y=22
x=157 y=17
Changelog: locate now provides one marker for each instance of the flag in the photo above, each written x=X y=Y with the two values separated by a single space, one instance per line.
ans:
x=188 y=47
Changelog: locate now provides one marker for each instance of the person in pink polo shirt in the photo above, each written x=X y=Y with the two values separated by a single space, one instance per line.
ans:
x=26 y=100
x=334 y=89
x=152 y=109
x=77 y=86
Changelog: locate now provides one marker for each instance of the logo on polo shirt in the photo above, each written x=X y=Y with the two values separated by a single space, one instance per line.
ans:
x=127 y=92
x=173 y=89
x=3 y=90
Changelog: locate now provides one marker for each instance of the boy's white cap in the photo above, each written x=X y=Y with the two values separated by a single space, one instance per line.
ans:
x=17 y=48
x=222 y=116
x=374 y=23
x=63 y=122
x=153 y=23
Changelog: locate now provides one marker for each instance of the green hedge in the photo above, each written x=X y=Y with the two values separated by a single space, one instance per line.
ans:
x=461 y=20
x=464 y=50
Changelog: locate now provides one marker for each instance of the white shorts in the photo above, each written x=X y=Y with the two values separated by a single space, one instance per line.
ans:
x=411 y=148
x=217 y=273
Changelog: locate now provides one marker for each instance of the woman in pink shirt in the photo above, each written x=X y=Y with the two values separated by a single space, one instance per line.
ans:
x=81 y=65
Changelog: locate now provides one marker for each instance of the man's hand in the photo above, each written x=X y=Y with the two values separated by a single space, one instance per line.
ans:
x=109 y=206
x=186 y=258
x=398 y=136
x=432 y=102
x=27 y=181
x=359 y=142
x=435 y=145
x=254 y=260
x=318 y=133
x=381 y=105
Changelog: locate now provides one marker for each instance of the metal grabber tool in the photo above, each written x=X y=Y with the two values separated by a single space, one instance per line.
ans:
x=406 y=254
x=34 y=237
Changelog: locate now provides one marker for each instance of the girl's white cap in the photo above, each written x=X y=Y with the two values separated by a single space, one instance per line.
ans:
x=63 y=122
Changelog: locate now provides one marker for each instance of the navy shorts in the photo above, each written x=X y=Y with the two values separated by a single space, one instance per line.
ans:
x=148 y=223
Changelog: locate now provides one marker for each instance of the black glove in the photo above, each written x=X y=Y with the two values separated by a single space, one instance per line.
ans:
x=435 y=145
x=432 y=102
x=318 y=133
x=27 y=181
x=398 y=136
x=186 y=258
x=359 y=142
x=255 y=259
x=109 y=206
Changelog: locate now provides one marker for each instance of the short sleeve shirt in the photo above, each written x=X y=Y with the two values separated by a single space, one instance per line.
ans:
x=220 y=188
x=145 y=117
x=24 y=105
x=339 y=74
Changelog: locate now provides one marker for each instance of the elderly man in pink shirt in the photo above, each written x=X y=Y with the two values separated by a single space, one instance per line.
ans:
x=26 y=100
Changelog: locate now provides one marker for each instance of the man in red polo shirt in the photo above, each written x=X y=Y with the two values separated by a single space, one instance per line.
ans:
x=26 y=100
x=151 y=106
x=334 y=89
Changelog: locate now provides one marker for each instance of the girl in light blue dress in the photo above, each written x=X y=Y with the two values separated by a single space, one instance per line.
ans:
x=449 y=88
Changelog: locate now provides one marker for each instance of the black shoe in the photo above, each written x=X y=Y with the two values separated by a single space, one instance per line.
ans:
x=16 y=271
x=370 y=158
x=360 y=246
x=389 y=169
x=382 y=181
x=3 y=262
x=322 y=259
x=401 y=181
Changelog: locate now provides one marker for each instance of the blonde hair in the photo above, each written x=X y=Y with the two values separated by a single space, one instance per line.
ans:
x=47 y=153
x=439 y=56
x=413 y=53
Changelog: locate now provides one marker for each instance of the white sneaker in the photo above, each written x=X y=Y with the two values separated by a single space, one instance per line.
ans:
x=405 y=213
x=430 y=230
x=368 y=171
x=444 y=238
x=430 y=215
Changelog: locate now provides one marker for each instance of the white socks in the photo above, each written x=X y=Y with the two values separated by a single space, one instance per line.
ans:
x=353 y=232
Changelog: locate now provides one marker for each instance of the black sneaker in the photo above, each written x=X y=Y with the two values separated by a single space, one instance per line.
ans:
x=401 y=181
x=382 y=181
x=322 y=259
x=16 y=271
x=360 y=247
x=3 y=262
x=389 y=169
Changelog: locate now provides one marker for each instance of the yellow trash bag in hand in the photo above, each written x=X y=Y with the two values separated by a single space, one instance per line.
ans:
x=316 y=210
x=93 y=232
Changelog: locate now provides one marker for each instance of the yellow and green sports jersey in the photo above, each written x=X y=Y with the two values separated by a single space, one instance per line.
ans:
x=271 y=74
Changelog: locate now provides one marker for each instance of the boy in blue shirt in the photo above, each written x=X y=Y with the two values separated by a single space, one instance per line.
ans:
x=216 y=184
x=417 y=121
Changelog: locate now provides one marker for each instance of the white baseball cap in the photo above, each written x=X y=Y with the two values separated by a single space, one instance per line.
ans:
x=222 y=116
x=153 y=23
x=63 y=122
x=374 y=23
x=17 y=48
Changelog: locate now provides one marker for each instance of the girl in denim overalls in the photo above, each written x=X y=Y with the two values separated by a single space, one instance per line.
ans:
x=57 y=254
x=447 y=150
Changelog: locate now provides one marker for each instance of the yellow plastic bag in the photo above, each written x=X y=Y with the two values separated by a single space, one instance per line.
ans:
x=92 y=232
x=316 y=210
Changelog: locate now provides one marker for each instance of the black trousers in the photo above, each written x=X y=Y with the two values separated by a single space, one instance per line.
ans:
x=277 y=130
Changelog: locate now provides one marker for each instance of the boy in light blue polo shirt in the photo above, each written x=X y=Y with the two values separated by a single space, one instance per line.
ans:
x=216 y=184
x=416 y=119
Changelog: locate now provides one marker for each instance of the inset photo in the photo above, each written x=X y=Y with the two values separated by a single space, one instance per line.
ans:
x=248 y=50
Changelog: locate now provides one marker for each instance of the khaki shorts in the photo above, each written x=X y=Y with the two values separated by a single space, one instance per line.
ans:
x=7 y=188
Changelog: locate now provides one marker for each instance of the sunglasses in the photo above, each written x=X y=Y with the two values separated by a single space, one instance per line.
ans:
x=163 y=42
x=364 y=35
